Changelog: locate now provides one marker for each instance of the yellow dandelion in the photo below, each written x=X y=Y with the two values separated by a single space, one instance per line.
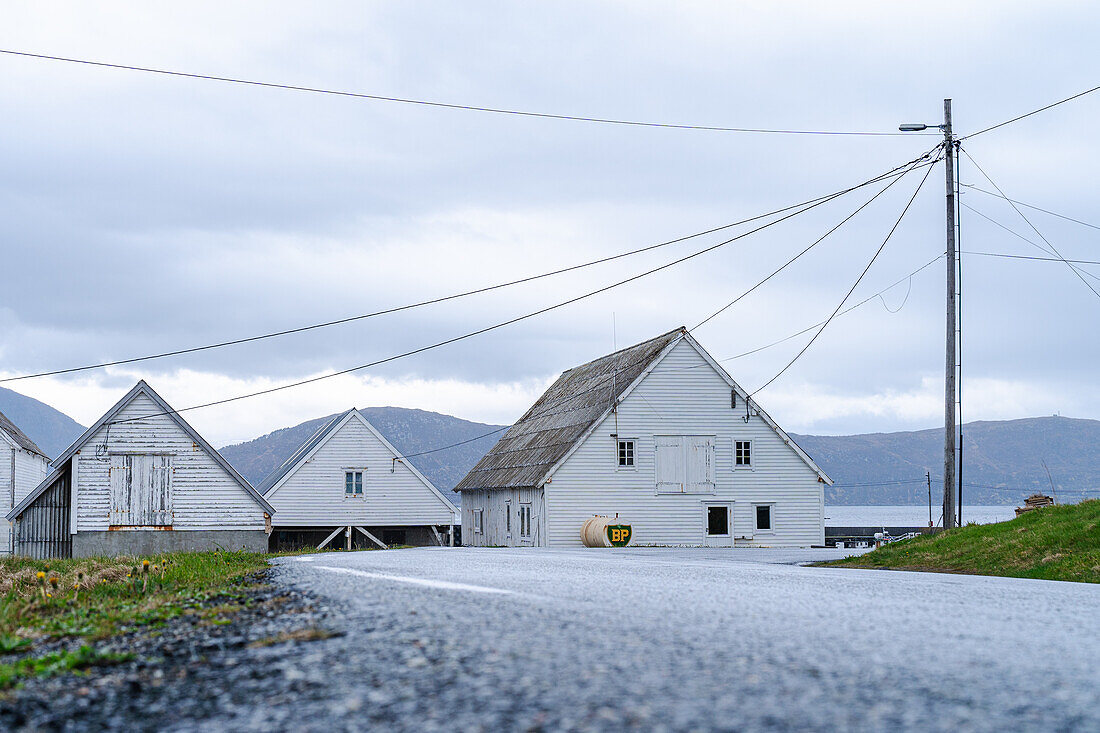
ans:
x=40 y=575
x=49 y=595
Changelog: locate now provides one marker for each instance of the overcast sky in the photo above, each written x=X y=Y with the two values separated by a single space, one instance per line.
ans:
x=141 y=213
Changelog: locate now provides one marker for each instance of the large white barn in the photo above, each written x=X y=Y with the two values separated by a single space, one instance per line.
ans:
x=22 y=466
x=140 y=481
x=658 y=434
x=348 y=480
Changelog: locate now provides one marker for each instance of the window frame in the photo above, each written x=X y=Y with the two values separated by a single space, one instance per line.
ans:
x=525 y=522
x=756 y=507
x=357 y=491
x=508 y=518
x=478 y=515
x=633 y=465
x=743 y=466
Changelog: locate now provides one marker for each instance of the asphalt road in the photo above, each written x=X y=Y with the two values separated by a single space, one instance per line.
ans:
x=666 y=639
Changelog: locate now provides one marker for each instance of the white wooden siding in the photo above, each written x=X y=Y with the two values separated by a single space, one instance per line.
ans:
x=313 y=494
x=497 y=506
x=29 y=470
x=684 y=396
x=204 y=495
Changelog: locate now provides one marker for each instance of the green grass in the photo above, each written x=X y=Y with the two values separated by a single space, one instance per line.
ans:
x=1052 y=543
x=56 y=663
x=95 y=598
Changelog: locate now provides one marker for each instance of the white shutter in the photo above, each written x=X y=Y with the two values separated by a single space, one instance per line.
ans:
x=120 y=490
x=669 y=463
x=699 y=464
x=160 y=495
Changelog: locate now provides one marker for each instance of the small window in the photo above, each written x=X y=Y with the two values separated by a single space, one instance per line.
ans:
x=478 y=514
x=353 y=483
x=508 y=517
x=742 y=453
x=718 y=520
x=525 y=520
x=626 y=453
x=764 y=518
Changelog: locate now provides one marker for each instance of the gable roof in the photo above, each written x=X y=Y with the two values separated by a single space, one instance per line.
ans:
x=304 y=450
x=562 y=416
x=322 y=436
x=19 y=437
x=140 y=388
x=541 y=441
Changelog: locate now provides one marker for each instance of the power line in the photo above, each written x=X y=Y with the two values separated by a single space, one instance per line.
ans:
x=1029 y=114
x=1032 y=206
x=445 y=105
x=791 y=261
x=1031 y=257
x=849 y=309
x=500 y=324
x=850 y=290
x=432 y=301
x=1053 y=249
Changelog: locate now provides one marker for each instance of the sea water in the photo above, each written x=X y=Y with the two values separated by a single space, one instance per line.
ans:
x=841 y=515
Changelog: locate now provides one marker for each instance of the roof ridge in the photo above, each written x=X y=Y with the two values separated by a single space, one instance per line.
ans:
x=679 y=329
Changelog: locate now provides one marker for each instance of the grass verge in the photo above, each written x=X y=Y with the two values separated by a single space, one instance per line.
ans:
x=1052 y=543
x=56 y=663
x=95 y=598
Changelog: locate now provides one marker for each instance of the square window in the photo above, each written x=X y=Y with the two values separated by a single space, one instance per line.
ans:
x=764 y=518
x=626 y=453
x=718 y=520
x=742 y=453
x=353 y=483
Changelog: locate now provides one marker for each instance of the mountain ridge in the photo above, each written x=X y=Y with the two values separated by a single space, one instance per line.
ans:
x=1003 y=459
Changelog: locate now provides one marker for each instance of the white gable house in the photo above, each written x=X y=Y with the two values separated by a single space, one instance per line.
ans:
x=140 y=481
x=23 y=465
x=659 y=435
x=347 y=486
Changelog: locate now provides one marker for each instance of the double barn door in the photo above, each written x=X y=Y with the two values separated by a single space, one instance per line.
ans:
x=141 y=490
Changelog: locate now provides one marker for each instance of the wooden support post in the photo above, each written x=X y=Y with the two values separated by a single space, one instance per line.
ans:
x=330 y=538
x=435 y=531
x=347 y=538
x=451 y=534
x=373 y=539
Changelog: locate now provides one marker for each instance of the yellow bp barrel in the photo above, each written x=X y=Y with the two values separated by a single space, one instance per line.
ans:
x=600 y=531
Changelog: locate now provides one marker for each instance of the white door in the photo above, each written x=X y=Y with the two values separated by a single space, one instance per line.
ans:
x=717 y=525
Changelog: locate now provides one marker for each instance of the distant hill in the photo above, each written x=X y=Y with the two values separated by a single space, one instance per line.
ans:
x=410 y=431
x=1002 y=462
x=51 y=429
x=1003 y=459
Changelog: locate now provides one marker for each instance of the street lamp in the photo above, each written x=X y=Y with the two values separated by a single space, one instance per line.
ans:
x=949 y=451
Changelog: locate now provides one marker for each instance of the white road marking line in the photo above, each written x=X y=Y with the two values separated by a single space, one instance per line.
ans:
x=441 y=584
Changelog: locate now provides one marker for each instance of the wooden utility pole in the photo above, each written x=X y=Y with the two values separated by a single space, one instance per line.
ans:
x=949 y=362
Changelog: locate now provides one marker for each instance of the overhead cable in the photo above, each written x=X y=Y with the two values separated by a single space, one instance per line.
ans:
x=850 y=290
x=894 y=172
x=445 y=105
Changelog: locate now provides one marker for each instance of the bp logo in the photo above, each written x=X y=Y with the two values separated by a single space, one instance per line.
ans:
x=618 y=534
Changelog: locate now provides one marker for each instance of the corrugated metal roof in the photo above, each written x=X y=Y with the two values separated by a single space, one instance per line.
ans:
x=19 y=436
x=561 y=416
x=304 y=449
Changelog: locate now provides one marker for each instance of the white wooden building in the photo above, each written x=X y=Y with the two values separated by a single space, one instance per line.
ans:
x=23 y=465
x=658 y=434
x=140 y=481
x=348 y=486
